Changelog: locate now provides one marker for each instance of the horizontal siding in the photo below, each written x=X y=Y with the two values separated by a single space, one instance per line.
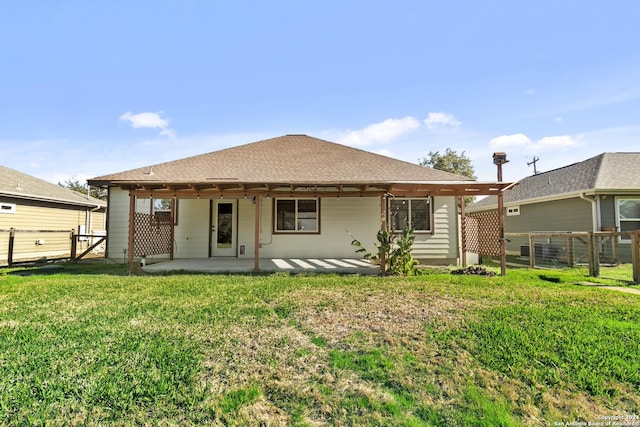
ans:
x=192 y=232
x=246 y=227
x=339 y=219
x=553 y=216
x=441 y=247
x=34 y=216
x=118 y=220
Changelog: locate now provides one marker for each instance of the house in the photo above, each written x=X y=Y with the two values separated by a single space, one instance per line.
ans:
x=293 y=196
x=37 y=217
x=600 y=193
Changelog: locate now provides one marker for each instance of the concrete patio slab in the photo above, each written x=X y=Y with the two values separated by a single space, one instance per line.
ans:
x=267 y=265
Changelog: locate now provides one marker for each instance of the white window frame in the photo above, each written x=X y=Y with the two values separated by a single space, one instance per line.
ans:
x=8 y=208
x=618 y=200
x=297 y=220
x=409 y=201
x=513 y=210
x=165 y=211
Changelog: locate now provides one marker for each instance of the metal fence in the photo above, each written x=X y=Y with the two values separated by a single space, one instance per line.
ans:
x=599 y=251
x=24 y=246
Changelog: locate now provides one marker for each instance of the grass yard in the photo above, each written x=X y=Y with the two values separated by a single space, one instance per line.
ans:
x=97 y=347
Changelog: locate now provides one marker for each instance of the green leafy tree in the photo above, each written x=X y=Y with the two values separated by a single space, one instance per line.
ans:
x=452 y=162
x=75 y=185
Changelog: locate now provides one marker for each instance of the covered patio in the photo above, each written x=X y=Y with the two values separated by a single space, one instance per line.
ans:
x=292 y=203
x=230 y=265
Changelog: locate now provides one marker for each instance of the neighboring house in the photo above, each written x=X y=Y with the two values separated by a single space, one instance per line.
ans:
x=42 y=216
x=293 y=196
x=600 y=193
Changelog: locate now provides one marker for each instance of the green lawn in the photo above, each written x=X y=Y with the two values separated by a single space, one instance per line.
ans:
x=87 y=346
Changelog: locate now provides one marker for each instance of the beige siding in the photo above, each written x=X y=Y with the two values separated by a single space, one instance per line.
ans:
x=341 y=220
x=31 y=217
x=246 y=227
x=191 y=233
x=338 y=219
x=118 y=219
x=441 y=247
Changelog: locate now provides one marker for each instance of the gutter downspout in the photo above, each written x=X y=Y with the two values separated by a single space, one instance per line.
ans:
x=595 y=217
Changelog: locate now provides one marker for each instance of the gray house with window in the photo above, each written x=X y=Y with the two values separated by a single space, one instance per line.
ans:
x=293 y=196
x=598 y=194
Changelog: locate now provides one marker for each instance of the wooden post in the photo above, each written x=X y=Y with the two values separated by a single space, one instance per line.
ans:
x=132 y=228
x=173 y=226
x=74 y=244
x=635 y=255
x=383 y=227
x=12 y=236
x=256 y=237
x=463 y=232
x=570 y=258
x=532 y=251
x=594 y=261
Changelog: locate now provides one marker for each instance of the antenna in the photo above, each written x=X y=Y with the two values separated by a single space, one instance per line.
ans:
x=533 y=162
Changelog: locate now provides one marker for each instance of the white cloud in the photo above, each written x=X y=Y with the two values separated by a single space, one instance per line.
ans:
x=555 y=143
x=520 y=141
x=379 y=132
x=149 y=120
x=529 y=92
x=506 y=141
x=558 y=119
x=438 y=120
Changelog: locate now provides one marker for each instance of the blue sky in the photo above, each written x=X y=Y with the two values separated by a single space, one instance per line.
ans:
x=91 y=88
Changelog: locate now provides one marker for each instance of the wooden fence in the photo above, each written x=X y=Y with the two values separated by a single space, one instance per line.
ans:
x=26 y=246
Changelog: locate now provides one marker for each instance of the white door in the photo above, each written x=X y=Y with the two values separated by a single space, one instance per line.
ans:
x=223 y=229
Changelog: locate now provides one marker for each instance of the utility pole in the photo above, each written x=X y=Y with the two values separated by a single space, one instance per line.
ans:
x=533 y=162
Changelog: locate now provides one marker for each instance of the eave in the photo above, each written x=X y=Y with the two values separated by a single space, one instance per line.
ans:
x=305 y=189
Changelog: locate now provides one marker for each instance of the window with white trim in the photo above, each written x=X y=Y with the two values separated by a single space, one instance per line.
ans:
x=162 y=210
x=628 y=214
x=7 y=208
x=414 y=213
x=296 y=216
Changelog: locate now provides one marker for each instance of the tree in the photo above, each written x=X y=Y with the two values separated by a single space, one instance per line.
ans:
x=75 y=185
x=451 y=162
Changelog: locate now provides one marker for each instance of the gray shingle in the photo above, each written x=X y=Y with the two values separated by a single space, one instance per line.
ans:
x=605 y=172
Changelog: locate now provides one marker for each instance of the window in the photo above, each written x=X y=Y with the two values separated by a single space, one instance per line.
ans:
x=513 y=211
x=296 y=215
x=7 y=208
x=414 y=213
x=628 y=214
x=162 y=210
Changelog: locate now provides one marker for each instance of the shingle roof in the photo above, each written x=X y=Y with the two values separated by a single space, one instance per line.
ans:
x=285 y=159
x=19 y=185
x=607 y=172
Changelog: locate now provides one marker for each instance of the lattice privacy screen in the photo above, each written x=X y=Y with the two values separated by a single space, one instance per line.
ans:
x=482 y=233
x=152 y=235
